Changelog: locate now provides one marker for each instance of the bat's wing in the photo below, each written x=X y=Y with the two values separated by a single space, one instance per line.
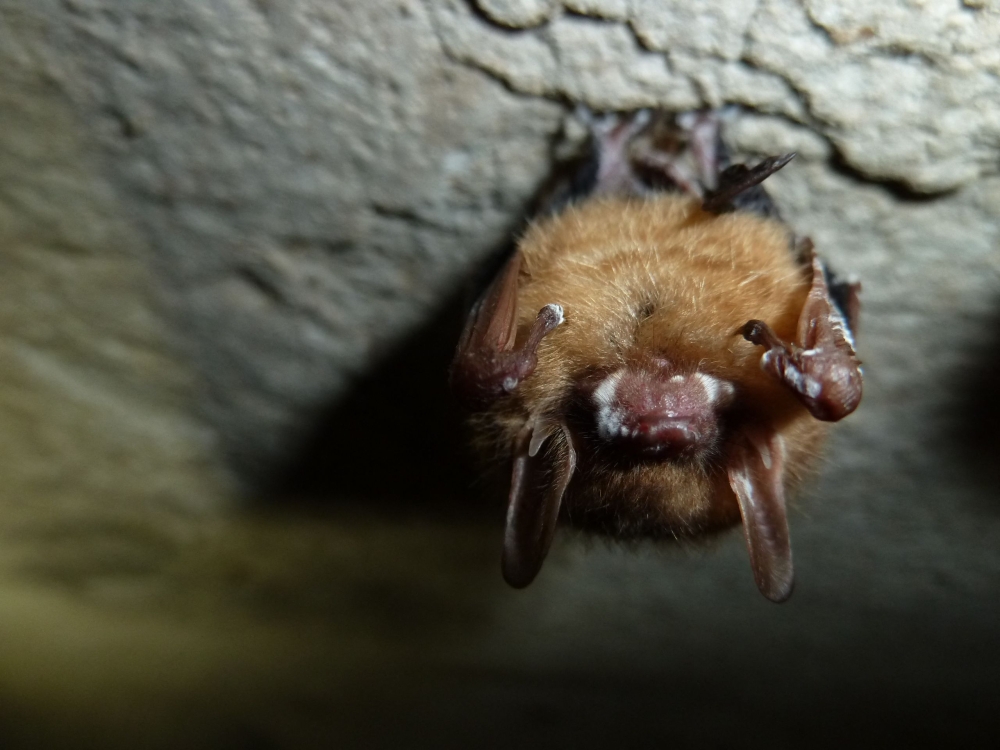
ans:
x=487 y=363
x=738 y=185
x=821 y=366
x=756 y=475
x=544 y=463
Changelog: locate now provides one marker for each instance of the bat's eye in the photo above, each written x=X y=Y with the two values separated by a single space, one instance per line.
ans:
x=659 y=415
x=645 y=310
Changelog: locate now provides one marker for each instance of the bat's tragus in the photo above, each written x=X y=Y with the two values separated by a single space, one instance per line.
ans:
x=655 y=357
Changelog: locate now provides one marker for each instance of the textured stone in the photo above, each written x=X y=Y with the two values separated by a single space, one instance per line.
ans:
x=305 y=176
x=517 y=13
x=98 y=414
x=905 y=91
x=311 y=179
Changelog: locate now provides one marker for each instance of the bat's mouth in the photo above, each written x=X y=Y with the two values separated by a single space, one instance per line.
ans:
x=661 y=437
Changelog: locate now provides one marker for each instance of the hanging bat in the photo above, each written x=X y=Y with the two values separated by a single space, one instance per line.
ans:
x=660 y=356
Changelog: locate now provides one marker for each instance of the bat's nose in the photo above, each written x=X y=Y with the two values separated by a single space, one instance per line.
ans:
x=657 y=414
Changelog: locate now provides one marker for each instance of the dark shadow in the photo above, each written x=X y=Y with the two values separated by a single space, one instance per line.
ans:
x=396 y=439
x=973 y=428
x=898 y=189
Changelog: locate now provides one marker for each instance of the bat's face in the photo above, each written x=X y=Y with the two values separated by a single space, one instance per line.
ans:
x=649 y=377
x=617 y=358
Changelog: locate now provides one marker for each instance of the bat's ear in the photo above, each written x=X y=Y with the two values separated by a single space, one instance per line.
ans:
x=756 y=475
x=821 y=367
x=486 y=364
x=544 y=463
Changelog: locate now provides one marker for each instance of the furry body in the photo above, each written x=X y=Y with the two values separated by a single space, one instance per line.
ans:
x=652 y=279
x=617 y=356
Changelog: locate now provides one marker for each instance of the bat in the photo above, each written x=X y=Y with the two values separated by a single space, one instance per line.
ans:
x=661 y=355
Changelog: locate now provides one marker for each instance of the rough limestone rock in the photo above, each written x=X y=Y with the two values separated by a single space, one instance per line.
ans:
x=312 y=179
x=903 y=91
x=219 y=217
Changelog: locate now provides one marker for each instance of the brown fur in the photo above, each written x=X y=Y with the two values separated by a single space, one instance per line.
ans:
x=656 y=277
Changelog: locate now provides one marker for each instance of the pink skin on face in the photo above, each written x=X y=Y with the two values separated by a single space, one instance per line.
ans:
x=658 y=414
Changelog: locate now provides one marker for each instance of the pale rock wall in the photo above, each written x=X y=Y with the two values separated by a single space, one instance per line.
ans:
x=311 y=179
x=308 y=180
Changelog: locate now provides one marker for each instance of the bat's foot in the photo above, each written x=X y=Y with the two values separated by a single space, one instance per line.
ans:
x=644 y=152
x=612 y=135
x=682 y=152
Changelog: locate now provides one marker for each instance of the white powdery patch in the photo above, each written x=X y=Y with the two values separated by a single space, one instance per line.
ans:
x=739 y=480
x=714 y=388
x=558 y=310
x=765 y=455
x=839 y=325
x=610 y=421
x=802 y=383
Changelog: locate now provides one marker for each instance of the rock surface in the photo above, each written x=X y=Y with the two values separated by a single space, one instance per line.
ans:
x=215 y=217
x=903 y=91
x=309 y=179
